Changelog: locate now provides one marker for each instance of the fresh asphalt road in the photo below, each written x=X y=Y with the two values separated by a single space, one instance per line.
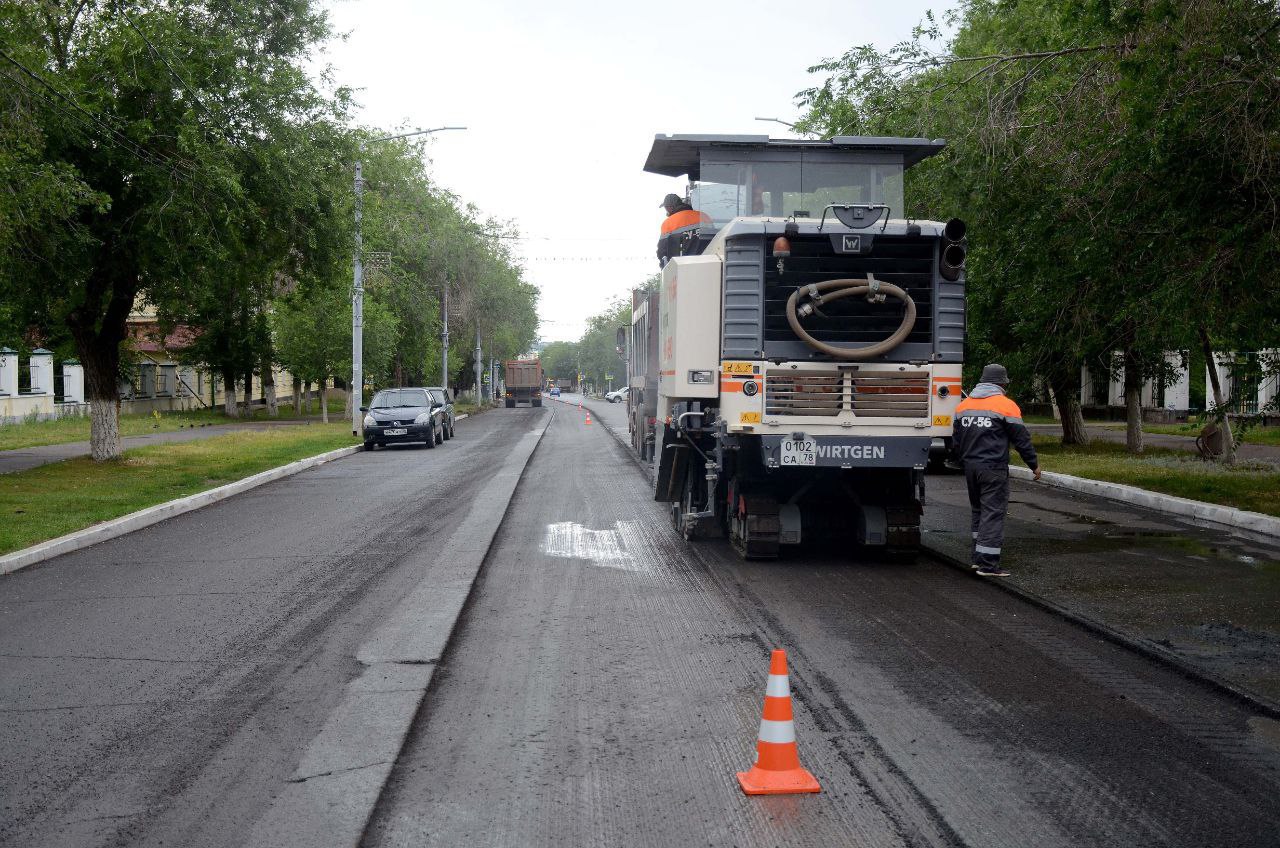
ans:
x=606 y=682
x=162 y=687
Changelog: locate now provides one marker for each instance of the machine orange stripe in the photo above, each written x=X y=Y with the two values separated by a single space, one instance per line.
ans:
x=946 y=379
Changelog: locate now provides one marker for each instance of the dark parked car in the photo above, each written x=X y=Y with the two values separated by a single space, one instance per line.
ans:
x=445 y=398
x=403 y=415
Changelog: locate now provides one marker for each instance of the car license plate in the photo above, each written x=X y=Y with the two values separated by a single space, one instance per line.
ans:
x=798 y=452
x=395 y=431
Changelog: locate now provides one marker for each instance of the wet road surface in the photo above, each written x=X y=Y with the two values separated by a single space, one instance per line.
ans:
x=605 y=684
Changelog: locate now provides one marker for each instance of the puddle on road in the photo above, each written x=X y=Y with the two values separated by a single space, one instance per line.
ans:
x=603 y=548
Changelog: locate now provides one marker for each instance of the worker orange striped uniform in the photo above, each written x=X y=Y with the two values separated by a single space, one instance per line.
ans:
x=684 y=219
x=777 y=770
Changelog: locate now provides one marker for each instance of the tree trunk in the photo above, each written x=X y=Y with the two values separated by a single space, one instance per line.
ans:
x=248 y=393
x=306 y=398
x=1219 y=402
x=269 y=389
x=103 y=387
x=297 y=397
x=1066 y=397
x=324 y=400
x=1132 y=401
x=229 y=407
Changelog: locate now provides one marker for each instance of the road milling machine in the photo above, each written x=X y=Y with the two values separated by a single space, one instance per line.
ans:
x=810 y=339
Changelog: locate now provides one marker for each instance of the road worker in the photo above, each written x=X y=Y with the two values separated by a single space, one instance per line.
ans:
x=681 y=218
x=986 y=423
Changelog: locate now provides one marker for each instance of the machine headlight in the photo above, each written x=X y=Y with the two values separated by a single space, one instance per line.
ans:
x=750 y=387
x=423 y=418
x=370 y=421
x=701 y=376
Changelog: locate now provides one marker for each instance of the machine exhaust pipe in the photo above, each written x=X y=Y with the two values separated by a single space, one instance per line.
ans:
x=951 y=263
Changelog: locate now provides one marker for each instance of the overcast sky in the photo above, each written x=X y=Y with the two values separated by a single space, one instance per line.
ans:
x=562 y=101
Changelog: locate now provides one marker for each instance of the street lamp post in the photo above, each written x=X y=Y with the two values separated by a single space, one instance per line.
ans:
x=357 y=288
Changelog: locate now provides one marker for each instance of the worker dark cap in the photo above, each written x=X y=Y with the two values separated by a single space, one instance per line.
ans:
x=994 y=373
x=670 y=200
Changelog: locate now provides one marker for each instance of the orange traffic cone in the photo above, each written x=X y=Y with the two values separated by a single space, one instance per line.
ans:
x=588 y=416
x=777 y=770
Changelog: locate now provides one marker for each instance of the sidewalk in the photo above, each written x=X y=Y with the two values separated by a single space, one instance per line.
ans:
x=1209 y=594
x=1265 y=453
x=22 y=459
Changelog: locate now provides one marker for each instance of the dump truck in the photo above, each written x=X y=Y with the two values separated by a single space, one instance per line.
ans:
x=810 y=338
x=523 y=378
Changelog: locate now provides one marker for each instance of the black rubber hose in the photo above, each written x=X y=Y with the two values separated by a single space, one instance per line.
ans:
x=852 y=288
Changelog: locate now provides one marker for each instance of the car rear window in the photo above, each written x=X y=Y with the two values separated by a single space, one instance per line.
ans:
x=397 y=398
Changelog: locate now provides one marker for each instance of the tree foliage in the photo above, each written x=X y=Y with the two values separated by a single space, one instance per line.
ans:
x=1116 y=162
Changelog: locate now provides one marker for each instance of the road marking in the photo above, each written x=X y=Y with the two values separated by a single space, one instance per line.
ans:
x=604 y=548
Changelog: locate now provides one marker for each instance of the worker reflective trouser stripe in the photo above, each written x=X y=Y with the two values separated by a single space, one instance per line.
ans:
x=988 y=502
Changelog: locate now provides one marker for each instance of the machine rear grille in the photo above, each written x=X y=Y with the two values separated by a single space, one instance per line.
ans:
x=804 y=393
x=905 y=261
x=868 y=394
x=890 y=394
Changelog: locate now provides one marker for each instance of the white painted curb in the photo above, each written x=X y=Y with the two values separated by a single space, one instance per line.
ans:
x=155 y=514
x=1225 y=515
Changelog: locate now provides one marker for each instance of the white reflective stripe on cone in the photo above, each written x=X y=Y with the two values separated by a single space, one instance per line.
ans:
x=777 y=687
x=983 y=549
x=777 y=731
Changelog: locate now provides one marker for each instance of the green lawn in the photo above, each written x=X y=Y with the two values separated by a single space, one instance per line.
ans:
x=63 y=430
x=55 y=499
x=1251 y=486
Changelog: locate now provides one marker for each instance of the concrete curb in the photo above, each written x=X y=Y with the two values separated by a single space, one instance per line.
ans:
x=332 y=795
x=155 y=514
x=1199 y=510
x=1147 y=649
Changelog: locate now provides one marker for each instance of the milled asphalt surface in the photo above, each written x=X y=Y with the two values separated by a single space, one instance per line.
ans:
x=161 y=688
x=20 y=459
x=606 y=680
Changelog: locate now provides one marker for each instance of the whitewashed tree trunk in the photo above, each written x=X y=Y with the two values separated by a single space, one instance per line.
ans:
x=1219 y=402
x=297 y=396
x=269 y=390
x=229 y=407
x=324 y=400
x=104 y=428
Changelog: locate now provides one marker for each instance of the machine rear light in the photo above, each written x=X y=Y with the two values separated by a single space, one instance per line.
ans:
x=701 y=376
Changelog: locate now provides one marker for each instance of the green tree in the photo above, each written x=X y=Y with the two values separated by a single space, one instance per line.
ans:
x=149 y=116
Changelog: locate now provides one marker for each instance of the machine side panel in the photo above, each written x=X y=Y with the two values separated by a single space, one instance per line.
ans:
x=949 y=320
x=689 y=318
x=743 y=298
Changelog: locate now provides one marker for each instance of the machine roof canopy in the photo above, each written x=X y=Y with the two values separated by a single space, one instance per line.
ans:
x=674 y=155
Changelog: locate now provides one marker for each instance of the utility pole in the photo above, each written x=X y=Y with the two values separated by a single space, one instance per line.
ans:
x=357 y=289
x=357 y=314
x=479 y=365
x=444 y=338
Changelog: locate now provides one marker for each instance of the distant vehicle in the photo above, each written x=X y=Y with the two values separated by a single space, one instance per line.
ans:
x=403 y=415
x=524 y=382
x=617 y=395
x=555 y=391
x=444 y=398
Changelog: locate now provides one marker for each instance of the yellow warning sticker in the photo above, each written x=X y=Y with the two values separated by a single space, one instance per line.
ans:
x=749 y=418
x=942 y=420
x=737 y=368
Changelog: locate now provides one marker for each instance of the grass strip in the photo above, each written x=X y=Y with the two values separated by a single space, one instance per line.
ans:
x=1254 y=486
x=52 y=500
x=30 y=434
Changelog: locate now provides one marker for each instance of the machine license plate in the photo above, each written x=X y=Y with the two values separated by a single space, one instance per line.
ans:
x=395 y=431
x=798 y=452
